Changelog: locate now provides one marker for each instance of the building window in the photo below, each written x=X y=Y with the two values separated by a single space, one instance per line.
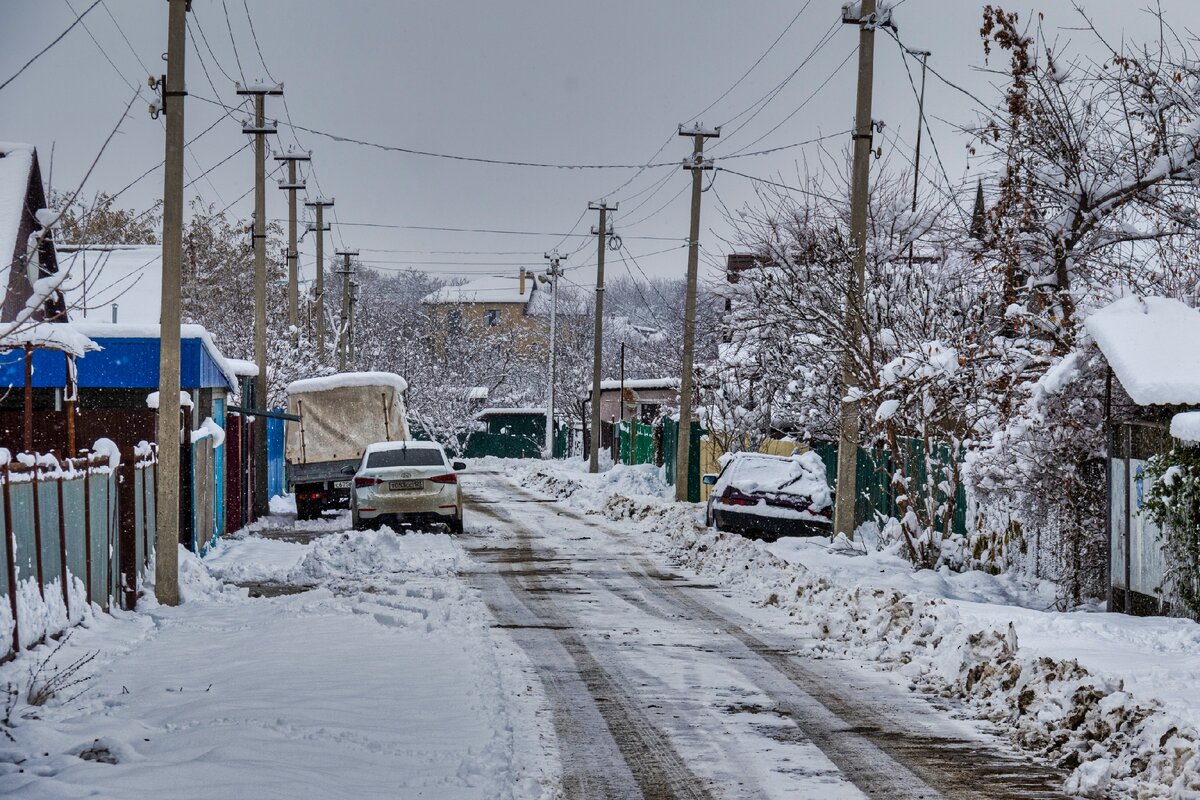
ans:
x=491 y=317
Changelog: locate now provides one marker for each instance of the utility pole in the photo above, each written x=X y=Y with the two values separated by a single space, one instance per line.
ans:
x=166 y=505
x=347 y=273
x=320 y=204
x=847 y=483
x=683 y=452
x=924 y=56
x=260 y=129
x=354 y=285
x=293 y=257
x=602 y=232
x=551 y=280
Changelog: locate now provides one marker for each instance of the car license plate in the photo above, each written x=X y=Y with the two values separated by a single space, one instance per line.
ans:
x=397 y=486
x=341 y=484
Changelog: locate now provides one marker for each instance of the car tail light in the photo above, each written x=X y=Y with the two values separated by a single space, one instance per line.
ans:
x=451 y=478
x=826 y=512
x=733 y=497
x=362 y=483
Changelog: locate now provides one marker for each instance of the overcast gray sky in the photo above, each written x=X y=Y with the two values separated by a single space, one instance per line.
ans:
x=528 y=80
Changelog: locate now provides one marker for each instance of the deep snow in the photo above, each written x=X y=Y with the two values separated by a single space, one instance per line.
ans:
x=384 y=681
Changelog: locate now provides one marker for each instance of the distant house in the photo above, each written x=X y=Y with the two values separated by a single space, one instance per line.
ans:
x=493 y=304
x=1152 y=348
x=21 y=197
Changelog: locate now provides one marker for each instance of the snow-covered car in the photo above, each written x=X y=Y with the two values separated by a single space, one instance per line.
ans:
x=406 y=482
x=764 y=496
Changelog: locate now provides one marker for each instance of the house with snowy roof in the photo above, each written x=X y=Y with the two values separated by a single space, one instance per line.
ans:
x=496 y=304
x=24 y=258
x=1151 y=346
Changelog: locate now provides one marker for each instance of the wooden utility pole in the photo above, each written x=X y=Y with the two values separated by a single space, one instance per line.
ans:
x=598 y=338
x=347 y=273
x=683 y=451
x=847 y=483
x=293 y=257
x=350 y=343
x=320 y=204
x=260 y=130
x=166 y=503
x=551 y=280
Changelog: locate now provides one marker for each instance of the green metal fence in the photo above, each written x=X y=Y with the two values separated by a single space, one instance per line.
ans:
x=637 y=440
x=670 y=438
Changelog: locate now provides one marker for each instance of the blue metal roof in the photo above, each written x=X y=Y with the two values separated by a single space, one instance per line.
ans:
x=124 y=363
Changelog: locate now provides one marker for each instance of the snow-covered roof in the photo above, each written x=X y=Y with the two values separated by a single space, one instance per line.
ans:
x=1153 y=347
x=52 y=336
x=342 y=380
x=100 y=275
x=406 y=444
x=641 y=383
x=244 y=368
x=496 y=412
x=498 y=289
x=16 y=161
x=108 y=330
x=1186 y=427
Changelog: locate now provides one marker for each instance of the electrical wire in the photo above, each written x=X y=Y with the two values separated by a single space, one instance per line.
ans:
x=254 y=36
x=53 y=42
x=809 y=192
x=232 y=41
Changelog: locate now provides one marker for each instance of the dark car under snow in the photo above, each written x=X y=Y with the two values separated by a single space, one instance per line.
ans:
x=766 y=497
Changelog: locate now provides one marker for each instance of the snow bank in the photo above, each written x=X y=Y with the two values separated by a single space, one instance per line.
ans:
x=359 y=553
x=951 y=635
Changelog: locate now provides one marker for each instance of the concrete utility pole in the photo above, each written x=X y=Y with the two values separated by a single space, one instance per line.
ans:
x=350 y=343
x=847 y=479
x=260 y=130
x=697 y=164
x=347 y=273
x=598 y=337
x=166 y=506
x=320 y=204
x=293 y=257
x=551 y=280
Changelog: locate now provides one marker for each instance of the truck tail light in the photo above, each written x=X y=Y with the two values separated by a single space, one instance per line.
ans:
x=451 y=478
x=362 y=483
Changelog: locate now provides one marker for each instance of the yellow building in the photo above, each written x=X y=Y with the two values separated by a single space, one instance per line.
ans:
x=492 y=305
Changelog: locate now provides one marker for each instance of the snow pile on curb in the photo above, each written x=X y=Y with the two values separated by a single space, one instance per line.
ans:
x=1090 y=725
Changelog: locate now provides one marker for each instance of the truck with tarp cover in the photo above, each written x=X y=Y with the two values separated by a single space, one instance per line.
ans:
x=339 y=416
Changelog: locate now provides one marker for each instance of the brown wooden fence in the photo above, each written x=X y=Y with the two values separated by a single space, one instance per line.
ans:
x=74 y=532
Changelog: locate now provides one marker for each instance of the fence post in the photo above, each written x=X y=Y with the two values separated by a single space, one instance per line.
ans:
x=64 y=573
x=87 y=525
x=37 y=530
x=127 y=533
x=10 y=553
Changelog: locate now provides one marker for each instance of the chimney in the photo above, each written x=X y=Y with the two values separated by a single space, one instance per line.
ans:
x=522 y=284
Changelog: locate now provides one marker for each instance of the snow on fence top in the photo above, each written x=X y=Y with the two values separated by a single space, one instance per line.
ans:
x=496 y=412
x=345 y=379
x=247 y=369
x=641 y=383
x=1186 y=427
x=1153 y=347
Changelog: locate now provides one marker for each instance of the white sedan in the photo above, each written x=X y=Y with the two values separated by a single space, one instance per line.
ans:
x=409 y=483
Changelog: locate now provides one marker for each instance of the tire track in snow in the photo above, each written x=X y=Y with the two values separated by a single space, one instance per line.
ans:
x=873 y=748
x=654 y=769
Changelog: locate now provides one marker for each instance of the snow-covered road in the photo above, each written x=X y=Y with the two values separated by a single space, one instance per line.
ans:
x=548 y=653
x=661 y=686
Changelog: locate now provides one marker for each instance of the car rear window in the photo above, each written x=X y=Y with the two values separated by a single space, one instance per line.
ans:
x=408 y=457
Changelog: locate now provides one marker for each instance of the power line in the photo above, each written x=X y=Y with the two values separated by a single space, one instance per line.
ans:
x=754 y=66
x=818 y=195
x=233 y=42
x=254 y=36
x=494 y=231
x=55 y=41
